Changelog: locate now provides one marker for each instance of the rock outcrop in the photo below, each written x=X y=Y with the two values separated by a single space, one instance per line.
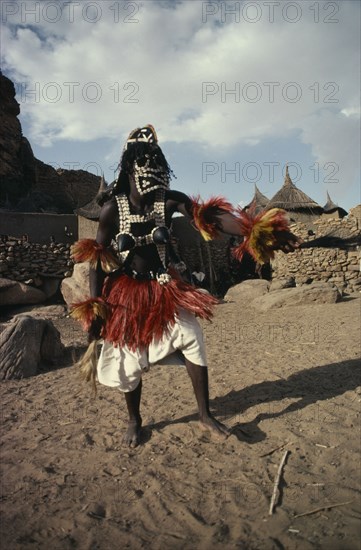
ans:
x=28 y=184
x=17 y=163
x=61 y=190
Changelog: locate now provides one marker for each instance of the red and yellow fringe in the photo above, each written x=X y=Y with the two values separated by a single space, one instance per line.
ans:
x=205 y=212
x=145 y=310
x=88 y=250
x=259 y=233
x=85 y=312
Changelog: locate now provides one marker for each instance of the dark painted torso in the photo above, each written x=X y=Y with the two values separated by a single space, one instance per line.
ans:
x=145 y=258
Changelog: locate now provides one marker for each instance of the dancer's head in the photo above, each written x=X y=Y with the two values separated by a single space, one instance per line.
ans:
x=143 y=161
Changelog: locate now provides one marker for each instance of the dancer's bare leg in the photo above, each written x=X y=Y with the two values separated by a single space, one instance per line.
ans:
x=199 y=377
x=132 y=398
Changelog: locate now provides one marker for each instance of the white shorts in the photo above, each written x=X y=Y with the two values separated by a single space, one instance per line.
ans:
x=122 y=368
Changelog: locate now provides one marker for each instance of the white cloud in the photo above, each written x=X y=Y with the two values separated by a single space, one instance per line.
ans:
x=335 y=141
x=352 y=111
x=169 y=53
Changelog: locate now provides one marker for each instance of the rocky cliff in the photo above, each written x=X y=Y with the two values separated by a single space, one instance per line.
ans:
x=28 y=184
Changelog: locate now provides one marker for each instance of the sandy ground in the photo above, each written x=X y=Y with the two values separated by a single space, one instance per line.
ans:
x=283 y=381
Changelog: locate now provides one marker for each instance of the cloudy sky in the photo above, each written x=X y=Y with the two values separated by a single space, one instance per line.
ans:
x=235 y=90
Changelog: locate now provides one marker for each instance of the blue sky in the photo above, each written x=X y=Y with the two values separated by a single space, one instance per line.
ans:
x=235 y=90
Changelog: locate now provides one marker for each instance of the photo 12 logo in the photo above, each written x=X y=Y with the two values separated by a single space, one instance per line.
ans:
x=72 y=92
x=253 y=12
x=254 y=172
x=28 y=12
x=269 y=92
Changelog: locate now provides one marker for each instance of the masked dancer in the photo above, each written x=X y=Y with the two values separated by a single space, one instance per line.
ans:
x=139 y=305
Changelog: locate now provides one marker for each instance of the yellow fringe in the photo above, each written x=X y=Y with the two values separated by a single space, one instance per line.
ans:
x=262 y=236
x=81 y=311
x=108 y=263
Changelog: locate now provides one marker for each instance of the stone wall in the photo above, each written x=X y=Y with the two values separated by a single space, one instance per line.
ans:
x=336 y=266
x=29 y=262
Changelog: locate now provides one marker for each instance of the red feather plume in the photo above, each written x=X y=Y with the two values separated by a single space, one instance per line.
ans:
x=88 y=250
x=205 y=212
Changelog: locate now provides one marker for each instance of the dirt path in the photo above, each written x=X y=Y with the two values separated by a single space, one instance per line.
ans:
x=283 y=381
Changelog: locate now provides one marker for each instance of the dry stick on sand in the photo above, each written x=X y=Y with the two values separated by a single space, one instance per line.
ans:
x=277 y=481
x=275 y=449
x=321 y=508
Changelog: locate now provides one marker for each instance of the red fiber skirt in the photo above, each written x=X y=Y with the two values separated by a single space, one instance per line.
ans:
x=143 y=310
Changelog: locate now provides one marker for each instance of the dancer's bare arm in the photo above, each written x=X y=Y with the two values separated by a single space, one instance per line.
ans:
x=228 y=224
x=107 y=229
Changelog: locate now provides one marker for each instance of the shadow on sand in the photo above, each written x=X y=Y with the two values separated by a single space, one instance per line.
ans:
x=308 y=386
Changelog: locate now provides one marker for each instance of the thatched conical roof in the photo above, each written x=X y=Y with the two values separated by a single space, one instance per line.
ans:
x=259 y=201
x=91 y=210
x=331 y=207
x=290 y=198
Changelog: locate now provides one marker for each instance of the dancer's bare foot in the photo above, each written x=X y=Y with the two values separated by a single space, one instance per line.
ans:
x=216 y=428
x=132 y=435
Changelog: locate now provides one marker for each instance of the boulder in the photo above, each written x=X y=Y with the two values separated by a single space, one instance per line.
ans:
x=76 y=288
x=26 y=345
x=50 y=286
x=286 y=282
x=320 y=293
x=322 y=284
x=44 y=312
x=6 y=283
x=247 y=290
x=16 y=293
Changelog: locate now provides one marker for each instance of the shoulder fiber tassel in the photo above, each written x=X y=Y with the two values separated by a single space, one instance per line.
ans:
x=205 y=212
x=88 y=365
x=259 y=233
x=88 y=250
x=87 y=311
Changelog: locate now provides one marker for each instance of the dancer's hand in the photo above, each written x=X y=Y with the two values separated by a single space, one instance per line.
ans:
x=287 y=241
x=95 y=329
